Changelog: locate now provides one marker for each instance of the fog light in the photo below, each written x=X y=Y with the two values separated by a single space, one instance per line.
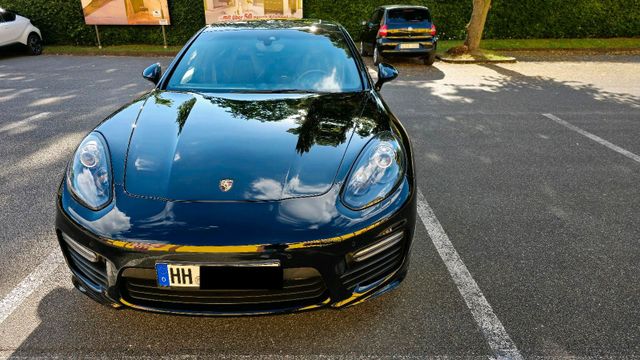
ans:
x=81 y=250
x=378 y=247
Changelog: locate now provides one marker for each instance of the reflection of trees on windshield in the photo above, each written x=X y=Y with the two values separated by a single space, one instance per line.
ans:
x=321 y=120
x=157 y=96
x=183 y=109
x=183 y=113
x=323 y=125
x=267 y=110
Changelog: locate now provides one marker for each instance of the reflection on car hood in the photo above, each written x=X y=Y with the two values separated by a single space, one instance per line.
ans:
x=239 y=147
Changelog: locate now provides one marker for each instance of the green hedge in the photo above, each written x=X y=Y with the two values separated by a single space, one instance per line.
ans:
x=62 y=22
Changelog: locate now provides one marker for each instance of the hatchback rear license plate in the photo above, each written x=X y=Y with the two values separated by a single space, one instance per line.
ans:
x=209 y=277
x=410 y=46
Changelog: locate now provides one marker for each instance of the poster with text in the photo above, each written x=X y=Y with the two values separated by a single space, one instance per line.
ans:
x=125 y=12
x=236 y=10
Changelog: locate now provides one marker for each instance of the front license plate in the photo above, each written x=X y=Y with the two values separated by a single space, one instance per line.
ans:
x=410 y=46
x=216 y=276
x=175 y=275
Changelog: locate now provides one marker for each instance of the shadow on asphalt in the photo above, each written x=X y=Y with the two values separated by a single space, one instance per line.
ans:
x=423 y=313
x=13 y=51
x=542 y=216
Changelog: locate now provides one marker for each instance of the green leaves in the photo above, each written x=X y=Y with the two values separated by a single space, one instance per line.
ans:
x=62 y=21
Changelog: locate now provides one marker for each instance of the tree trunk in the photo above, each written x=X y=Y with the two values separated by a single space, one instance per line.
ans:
x=475 y=27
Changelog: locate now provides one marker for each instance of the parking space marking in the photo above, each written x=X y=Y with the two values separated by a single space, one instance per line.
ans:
x=492 y=329
x=593 y=137
x=29 y=284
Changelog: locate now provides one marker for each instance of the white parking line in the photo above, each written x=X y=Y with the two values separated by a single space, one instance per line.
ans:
x=494 y=333
x=29 y=284
x=593 y=137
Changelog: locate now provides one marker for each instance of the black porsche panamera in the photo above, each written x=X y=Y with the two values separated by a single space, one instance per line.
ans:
x=263 y=174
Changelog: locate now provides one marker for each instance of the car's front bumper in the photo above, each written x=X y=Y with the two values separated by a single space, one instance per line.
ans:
x=317 y=273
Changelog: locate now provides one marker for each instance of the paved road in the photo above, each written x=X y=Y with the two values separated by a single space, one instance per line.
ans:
x=545 y=219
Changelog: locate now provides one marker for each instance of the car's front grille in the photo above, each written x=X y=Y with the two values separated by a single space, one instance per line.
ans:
x=374 y=268
x=93 y=273
x=300 y=289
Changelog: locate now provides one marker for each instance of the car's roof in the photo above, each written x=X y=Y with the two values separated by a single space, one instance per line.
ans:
x=326 y=26
x=390 y=7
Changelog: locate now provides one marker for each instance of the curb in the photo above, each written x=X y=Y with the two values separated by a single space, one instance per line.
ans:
x=97 y=53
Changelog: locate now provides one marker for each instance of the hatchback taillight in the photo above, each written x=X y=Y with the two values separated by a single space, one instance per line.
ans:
x=433 y=30
x=382 y=32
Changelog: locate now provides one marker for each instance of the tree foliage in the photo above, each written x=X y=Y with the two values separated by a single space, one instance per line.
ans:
x=62 y=22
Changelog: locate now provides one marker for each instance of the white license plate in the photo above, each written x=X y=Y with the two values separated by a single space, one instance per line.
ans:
x=410 y=46
x=175 y=275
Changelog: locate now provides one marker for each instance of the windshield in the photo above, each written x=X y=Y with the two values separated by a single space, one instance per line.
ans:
x=264 y=60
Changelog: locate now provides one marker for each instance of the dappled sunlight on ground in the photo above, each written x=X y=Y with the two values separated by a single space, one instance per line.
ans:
x=50 y=100
x=580 y=76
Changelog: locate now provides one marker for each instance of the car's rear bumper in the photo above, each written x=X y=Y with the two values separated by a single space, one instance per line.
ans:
x=315 y=275
x=398 y=47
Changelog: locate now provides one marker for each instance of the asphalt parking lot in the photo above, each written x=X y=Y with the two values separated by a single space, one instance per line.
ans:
x=529 y=242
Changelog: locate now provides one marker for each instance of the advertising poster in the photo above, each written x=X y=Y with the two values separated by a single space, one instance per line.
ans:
x=234 y=10
x=125 y=12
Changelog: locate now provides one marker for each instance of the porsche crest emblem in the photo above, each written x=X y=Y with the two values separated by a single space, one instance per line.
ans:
x=226 y=185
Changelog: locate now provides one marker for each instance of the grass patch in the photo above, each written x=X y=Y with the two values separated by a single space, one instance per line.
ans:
x=550 y=44
x=479 y=56
x=132 y=50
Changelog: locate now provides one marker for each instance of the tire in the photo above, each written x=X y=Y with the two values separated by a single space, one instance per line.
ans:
x=34 y=44
x=430 y=59
x=377 y=57
x=363 y=51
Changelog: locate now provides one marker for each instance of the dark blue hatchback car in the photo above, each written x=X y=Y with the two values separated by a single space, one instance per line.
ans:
x=400 y=30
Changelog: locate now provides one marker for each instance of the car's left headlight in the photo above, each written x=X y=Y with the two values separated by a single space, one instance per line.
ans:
x=89 y=173
x=377 y=171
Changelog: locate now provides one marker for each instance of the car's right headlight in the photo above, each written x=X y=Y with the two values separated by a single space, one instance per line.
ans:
x=89 y=173
x=377 y=171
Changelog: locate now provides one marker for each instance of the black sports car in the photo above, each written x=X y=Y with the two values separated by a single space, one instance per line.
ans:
x=262 y=174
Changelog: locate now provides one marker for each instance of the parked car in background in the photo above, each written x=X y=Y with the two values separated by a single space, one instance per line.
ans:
x=16 y=29
x=400 y=30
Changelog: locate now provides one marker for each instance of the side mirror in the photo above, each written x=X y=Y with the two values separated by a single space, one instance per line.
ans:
x=386 y=73
x=153 y=73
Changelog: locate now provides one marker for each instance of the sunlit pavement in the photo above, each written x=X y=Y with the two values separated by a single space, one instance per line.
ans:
x=545 y=217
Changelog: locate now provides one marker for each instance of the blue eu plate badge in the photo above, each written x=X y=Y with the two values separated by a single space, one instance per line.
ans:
x=178 y=275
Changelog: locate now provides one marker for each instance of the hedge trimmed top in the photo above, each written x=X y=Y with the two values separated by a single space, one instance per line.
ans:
x=62 y=21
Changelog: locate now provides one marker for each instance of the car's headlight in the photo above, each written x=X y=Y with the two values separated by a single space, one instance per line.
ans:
x=89 y=173
x=377 y=171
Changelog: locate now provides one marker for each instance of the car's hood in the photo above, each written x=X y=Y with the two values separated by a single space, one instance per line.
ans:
x=239 y=147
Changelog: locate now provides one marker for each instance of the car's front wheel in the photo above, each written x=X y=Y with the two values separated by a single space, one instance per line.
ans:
x=429 y=59
x=377 y=57
x=34 y=44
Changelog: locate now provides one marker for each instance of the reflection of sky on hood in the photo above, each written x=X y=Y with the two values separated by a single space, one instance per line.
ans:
x=113 y=222
x=270 y=189
x=164 y=217
x=315 y=211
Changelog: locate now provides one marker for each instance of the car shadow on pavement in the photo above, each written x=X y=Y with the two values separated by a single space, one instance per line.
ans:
x=13 y=51
x=71 y=324
x=408 y=69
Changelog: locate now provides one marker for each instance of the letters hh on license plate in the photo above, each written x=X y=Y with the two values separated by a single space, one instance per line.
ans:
x=410 y=46
x=176 y=275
